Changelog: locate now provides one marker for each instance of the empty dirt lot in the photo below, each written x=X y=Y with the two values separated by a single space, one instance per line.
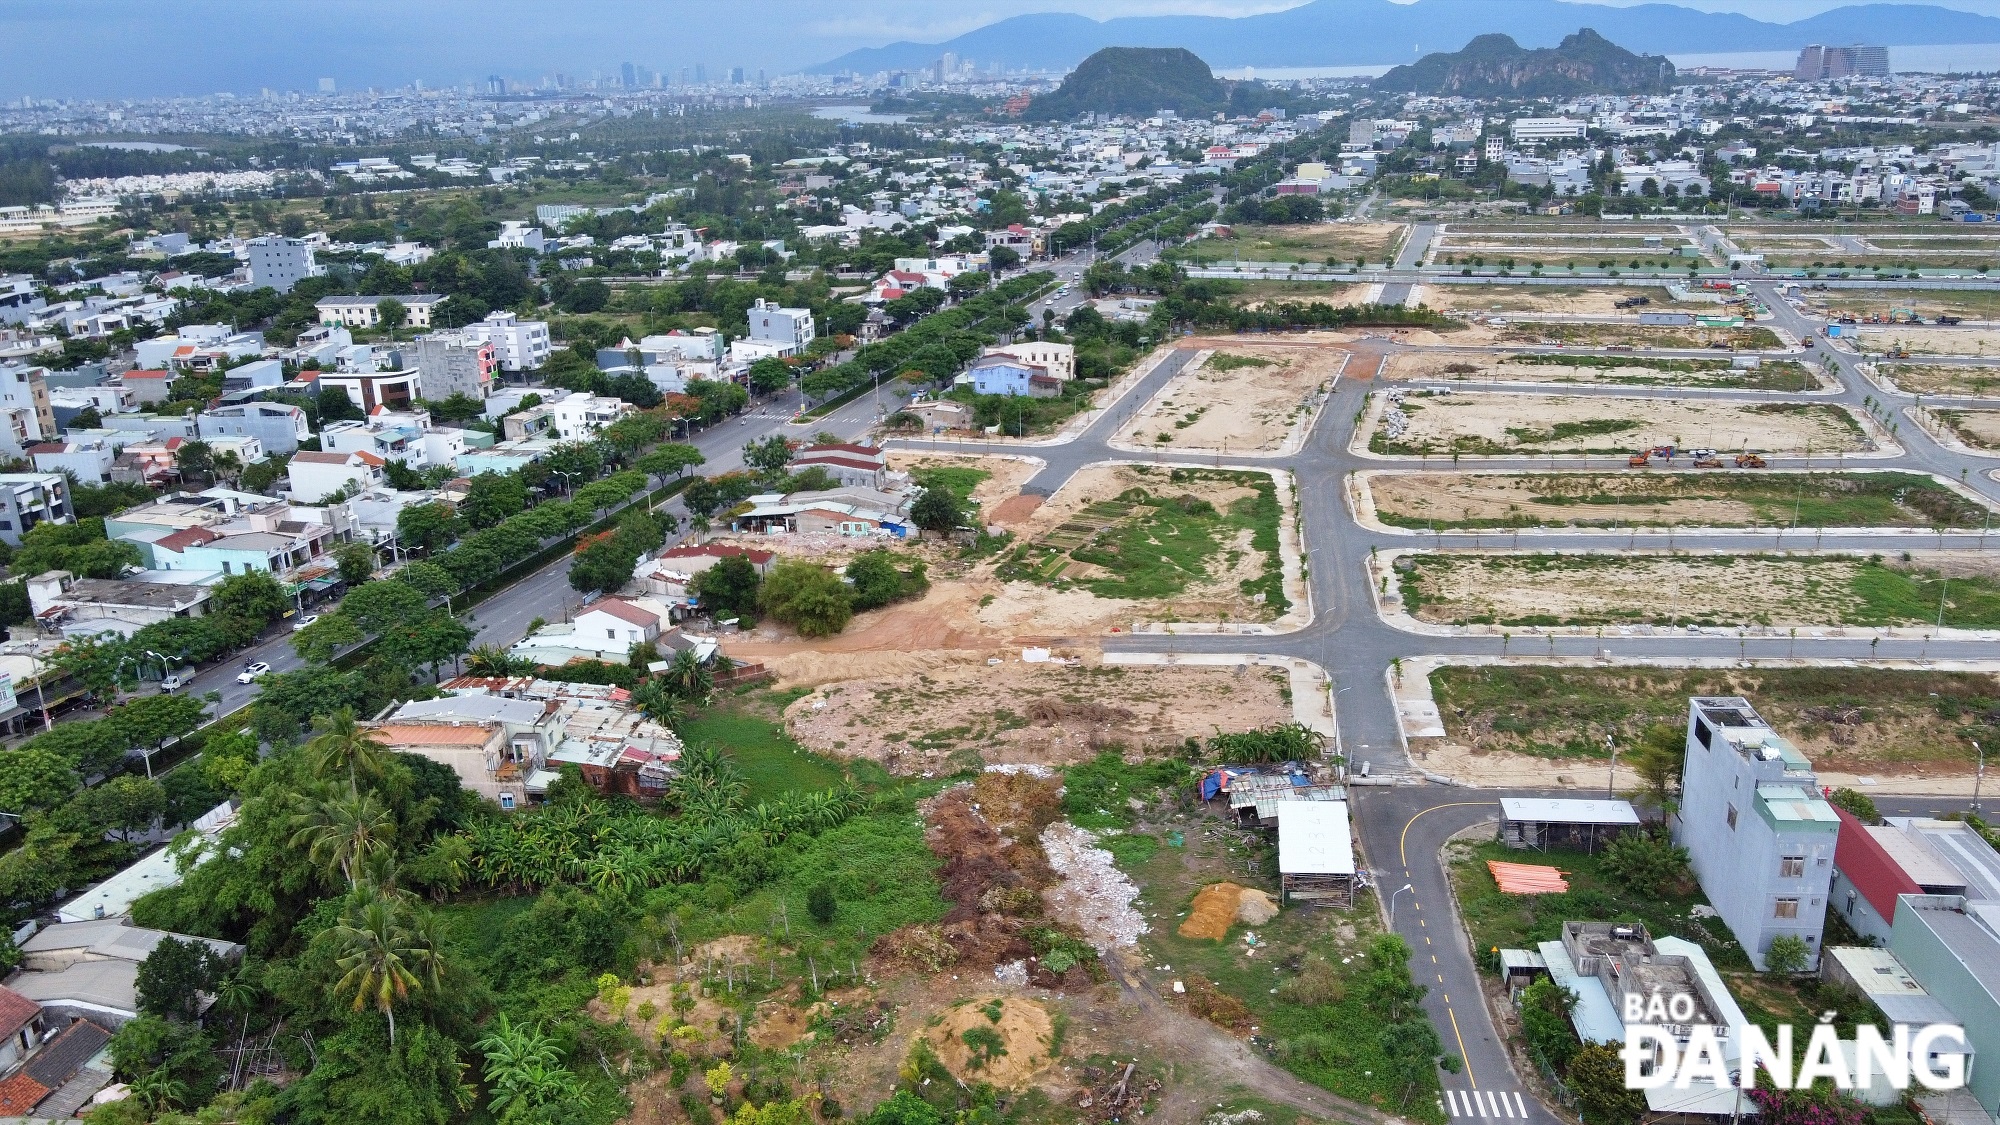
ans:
x=1241 y=399
x=1638 y=371
x=1041 y=714
x=1979 y=429
x=1501 y=424
x=1653 y=588
x=1568 y=300
x=1927 y=340
x=1942 y=379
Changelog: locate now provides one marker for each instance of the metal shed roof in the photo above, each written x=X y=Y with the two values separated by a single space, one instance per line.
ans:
x=1313 y=838
x=1552 y=811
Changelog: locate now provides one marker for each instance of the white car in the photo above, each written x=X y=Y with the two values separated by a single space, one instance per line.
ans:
x=306 y=622
x=250 y=672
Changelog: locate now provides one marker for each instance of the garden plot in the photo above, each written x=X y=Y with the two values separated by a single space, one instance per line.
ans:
x=1242 y=399
x=1012 y=713
x=1925 y=340
x=1684 y=498
x=1883 y=722
x=1633 y=370
x=1942 y=379
x=1569 y=300
x=1496 y=424
x=1658 y=588
x=1979 y=429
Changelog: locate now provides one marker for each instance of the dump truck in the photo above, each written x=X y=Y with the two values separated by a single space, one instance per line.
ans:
x=1950 y=319
x=1749 y=461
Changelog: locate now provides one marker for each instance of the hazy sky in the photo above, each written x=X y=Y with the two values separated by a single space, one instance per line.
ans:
x=146 y=48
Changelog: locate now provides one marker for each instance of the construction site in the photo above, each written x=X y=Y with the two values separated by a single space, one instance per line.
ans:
x=1239 y=400
x=1447 y=423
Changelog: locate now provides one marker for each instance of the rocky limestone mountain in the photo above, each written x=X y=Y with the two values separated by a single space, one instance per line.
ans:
x=1496 y=66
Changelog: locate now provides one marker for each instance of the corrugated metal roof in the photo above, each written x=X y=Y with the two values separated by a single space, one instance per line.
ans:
x=1554 y=811
x=1593 y=1015
x=1314 y=839
x=1916 y=859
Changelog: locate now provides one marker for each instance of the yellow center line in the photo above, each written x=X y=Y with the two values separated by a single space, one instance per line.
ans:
x=1461 y=1046
x=1403 y=843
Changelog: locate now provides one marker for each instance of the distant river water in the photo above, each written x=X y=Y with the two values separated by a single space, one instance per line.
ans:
x=1940 y=58
x=858 y=115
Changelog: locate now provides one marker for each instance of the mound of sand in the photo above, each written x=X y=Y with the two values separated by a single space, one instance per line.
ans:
x=1255 y=907
x=1024 y=1029
x=1213 y=911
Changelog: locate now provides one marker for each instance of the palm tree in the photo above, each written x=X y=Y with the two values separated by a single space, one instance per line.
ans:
x=342 y=831
x=383 y=958
x=658 y=704
x=346 y=745
x=160 y=1090
x=491 y=660
x=691 y=676
x=226 y=465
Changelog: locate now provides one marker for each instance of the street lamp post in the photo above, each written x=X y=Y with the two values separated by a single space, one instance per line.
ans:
x=1979 y=776
x=1392 y=904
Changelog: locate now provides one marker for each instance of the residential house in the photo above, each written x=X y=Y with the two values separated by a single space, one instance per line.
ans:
x=508 y=766
x=456 y=363
x=1760 y=838
x=853 y=512
x=1951 y=945
x=580 y=414
x=366 y=312
x=396 y=389
x=69 y=606
x=27 y=499
x=148 y=386
x=278 y=427
x=534 y=422
x=519 y=345
x=319 y=475
x=505 y=456
x=862 y=466
x=1003 y=374
x=321 y=344
x=1876 y=864
x=61 y=1076
x=89 y=969
x=88 y=458
x=280 y=263
x=616 y=748
x=26 y=414
x=790 y=329
x=404 y=436
x=669 y=577
x=518 y=235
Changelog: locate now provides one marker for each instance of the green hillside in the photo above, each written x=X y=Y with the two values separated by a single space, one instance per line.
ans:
x=1135 y=81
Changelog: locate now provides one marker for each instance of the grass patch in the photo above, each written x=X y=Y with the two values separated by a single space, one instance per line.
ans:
x=1771 y=375
x=1234 y=362
x=1602 y=335
x=1864 y=499
x=1943 y=379
x=772 y=764
x=955 y=479
x=1160 y=544
x=1849 y=718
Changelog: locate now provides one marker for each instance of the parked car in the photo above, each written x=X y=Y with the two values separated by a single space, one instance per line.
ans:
x=172 y=683
x=253 y=670
x=306 y=622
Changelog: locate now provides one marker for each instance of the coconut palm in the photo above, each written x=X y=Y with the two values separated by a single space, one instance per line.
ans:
x=658 y=704
x=346 y=747
x=383 y=958
x=690 y=676
x=341 y=831
x=490 y=660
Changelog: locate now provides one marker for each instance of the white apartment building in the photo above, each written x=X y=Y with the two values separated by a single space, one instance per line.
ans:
x=27 y=499
x=280 y=263
x=366 y=312
x=515 y=235
x=26 y=414
x=1058 y=359
x=519 y=345
x=1535 y=130
x=792 y=329
x=580 y=414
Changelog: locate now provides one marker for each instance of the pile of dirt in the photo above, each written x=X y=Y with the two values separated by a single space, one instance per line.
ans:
x=1256 y=907
x=1004 y=1041
x=1094 y=897
x=1213 y=911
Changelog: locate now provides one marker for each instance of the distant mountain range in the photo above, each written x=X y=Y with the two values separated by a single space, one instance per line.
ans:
x=1494 y=65
x=1133 y=80
x=1373 y=32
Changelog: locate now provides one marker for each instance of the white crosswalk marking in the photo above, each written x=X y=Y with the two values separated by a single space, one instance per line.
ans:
x=1452 y=1096
x=1522 y=1104
x=1505 y=1109
x=1479 y=1100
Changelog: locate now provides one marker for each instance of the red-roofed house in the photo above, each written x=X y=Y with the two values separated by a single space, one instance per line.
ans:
x=21 y=1027
x=901 y=283
x=619 y=621
x=669 y=576
x=1873 y=864
x=860 y=465
x=20 y=1094
x=149 y=386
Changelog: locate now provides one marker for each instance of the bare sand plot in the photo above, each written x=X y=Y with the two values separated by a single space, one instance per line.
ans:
x=1244 y=398
x=1972 y=304
x=1305 y=242
x=1926 y=340
x=1979 y=429
x=1748 y=338
x=1003 y=480
x=1661 y=588
x=1501 y=424
x=1673 y=498
x=1571 y=300
x=1634 y=370
x=1258 y=293
x=1041 y=714
x=1942 y=379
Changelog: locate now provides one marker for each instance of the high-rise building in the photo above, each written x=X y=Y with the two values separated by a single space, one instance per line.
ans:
x=701 y=74
x=736 y=76
x=495 y=84
x=628 y=75
x=1818 y=62
x=280 y=263
x=326 y=85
